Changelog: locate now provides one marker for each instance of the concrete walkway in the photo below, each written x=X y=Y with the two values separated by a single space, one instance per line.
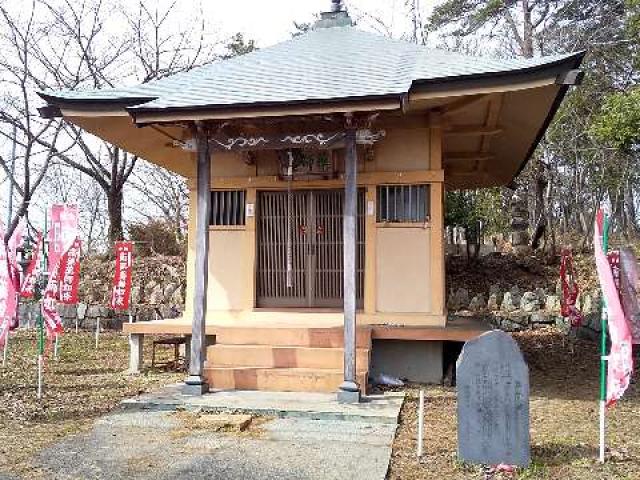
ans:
x=308 y=436
x=374 y=409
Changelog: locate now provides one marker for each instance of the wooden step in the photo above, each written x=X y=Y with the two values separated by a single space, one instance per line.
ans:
x=278 y=379
x=282 y=357
x=290 y=337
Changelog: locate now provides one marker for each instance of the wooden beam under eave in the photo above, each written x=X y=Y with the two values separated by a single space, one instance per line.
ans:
x=493 y=116
x=463 y=103
x=471 y=131
x=467 y=157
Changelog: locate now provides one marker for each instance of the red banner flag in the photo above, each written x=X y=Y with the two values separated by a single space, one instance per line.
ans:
x=122 y=278
x=570 y=290
x=8 y=300
x=15 y=242
x=63 y=231
x=630 y=291
x=620 y=359
x=31 y=275
x=69 y=274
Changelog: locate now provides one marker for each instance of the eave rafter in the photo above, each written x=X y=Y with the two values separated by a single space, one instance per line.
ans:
x=471 y=163
x=470 y=131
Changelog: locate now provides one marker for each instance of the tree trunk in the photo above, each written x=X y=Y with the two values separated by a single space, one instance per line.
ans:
x=114 y=208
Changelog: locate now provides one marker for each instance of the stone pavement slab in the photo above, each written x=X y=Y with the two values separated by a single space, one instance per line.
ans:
x=323 y=406
x=158 y=445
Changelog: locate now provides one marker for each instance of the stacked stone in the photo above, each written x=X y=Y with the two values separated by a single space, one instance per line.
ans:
x=519 y=225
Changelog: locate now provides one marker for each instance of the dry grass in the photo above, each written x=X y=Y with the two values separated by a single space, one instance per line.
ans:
x=86 y=383
x=81 y=385
x=564 y=421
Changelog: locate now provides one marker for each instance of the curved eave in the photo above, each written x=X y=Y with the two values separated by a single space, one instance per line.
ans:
x=495 y=77
x=576 y=62
x=143 y=115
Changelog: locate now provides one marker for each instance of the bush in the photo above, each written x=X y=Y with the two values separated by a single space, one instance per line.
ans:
x=155 y=237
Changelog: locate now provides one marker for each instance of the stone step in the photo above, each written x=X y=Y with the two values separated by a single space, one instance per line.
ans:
x=278 y=379
x=282 y=357
x=290 y=337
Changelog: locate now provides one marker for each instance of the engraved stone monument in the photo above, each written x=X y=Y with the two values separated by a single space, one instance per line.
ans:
x=493 y=401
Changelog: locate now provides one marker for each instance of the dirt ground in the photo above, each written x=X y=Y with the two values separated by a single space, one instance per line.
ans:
x=85 y=383
x=564 y=421
x=81 y=385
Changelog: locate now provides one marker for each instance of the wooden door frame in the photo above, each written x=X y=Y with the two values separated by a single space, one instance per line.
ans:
x=310 y=275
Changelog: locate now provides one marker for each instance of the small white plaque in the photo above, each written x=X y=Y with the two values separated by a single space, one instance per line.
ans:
x=371 y=208
x=250 y=210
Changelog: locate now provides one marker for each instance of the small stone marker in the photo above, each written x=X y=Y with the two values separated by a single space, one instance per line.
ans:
x=224 y=421
x=493 y=402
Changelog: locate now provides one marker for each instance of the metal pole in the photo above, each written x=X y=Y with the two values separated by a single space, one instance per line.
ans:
x=195 y=383
x=97 y=330
x=603 y=350
x=421 y=424
x=40 y=317
x=13 y=170
x=349 y=390
x=5 y=350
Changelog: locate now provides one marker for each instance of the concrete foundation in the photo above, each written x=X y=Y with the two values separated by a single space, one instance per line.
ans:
x=415 y=361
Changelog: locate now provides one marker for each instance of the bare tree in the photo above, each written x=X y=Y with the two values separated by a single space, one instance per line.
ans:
x=166 y=191
x=19 y=122
x=81 y=44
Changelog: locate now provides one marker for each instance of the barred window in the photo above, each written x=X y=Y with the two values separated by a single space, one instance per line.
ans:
x=403 y=203
x=227 y=207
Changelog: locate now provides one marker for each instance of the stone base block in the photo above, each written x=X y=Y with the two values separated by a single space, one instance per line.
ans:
x=345 y=396
x=195 y=386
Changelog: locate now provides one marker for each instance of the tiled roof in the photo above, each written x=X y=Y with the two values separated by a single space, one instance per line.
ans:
x=324 y=64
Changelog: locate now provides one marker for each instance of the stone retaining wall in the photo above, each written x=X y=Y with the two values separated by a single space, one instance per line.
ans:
x=515 y=310
x=87 y=315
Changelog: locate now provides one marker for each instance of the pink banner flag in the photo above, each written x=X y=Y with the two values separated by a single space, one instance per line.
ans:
x=63 y=231
x=15 y=242
x=8 y=298
x=630 y=291
x=69 y=274
x=27 y=289
x=122 y=278
x=620 y=359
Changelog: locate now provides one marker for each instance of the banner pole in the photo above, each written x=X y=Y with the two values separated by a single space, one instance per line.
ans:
x=421 y=425
x=5 y=349
x=97 y=330
x=40 y=353
x=603 y=351
x=40 y=317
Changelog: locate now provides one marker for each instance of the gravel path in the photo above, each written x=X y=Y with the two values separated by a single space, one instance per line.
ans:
x=161 y=445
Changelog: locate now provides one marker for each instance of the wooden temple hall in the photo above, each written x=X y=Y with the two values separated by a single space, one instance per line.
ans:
x=317 y=171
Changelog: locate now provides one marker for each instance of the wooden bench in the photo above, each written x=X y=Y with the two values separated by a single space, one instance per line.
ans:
x=171 y=341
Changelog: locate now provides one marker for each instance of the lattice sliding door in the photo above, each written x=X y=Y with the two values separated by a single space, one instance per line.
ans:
x=316 y=249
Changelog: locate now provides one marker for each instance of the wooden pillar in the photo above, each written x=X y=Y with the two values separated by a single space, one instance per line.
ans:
x=195 y=383
x=250 y=249
x=136 y=342
x=349 y=390
x=370 y=255
x=438 y=291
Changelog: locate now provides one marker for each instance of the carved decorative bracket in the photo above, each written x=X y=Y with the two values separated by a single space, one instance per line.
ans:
x=319 y=140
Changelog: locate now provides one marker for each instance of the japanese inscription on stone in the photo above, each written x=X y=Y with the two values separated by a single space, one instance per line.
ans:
x=493 y=401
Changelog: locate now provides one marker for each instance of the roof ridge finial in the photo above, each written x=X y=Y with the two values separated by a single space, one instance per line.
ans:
x=336 y=17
